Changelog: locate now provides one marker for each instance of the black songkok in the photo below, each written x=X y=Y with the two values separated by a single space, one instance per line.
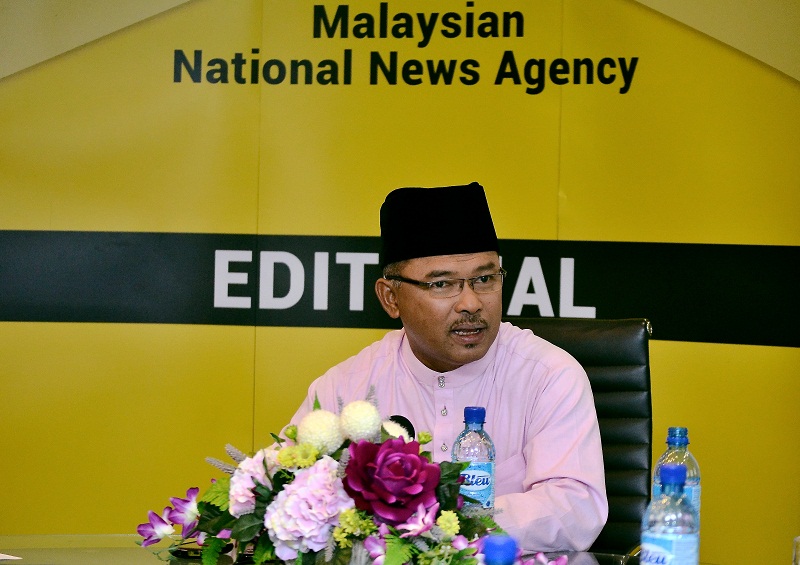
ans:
x=446 y=220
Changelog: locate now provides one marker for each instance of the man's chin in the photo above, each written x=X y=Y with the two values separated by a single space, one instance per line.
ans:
x=473 y=352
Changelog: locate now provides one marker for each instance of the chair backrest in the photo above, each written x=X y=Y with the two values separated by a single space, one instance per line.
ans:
x=616 y=357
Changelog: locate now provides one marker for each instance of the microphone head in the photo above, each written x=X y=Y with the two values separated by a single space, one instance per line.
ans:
x=405 y=423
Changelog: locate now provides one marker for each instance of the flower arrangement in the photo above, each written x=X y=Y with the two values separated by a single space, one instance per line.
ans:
x=336 y=488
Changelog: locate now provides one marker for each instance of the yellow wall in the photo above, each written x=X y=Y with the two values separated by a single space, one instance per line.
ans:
x=102 y=422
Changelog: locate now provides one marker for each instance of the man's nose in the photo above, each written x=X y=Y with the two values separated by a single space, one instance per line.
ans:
x=468 y=300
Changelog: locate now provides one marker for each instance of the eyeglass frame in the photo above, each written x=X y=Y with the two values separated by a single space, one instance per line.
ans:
x=428 y=285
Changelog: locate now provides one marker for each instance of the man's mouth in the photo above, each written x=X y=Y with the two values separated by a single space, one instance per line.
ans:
x=468 y=331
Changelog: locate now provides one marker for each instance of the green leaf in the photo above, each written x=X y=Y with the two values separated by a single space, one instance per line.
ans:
x=217 y=493
x=448 y=489
x=212 y=519
x=317 y=405
x=451 y=471
x=398 y=551
x=216 y=525
x=264 y=496
x=263 y=491
x=464 y=557
x=447 y=495
x=280 y=479
x=247 y=527
x=477 y=526
x=308 y=558
x=211 y=550
x=338 y=453
x=264 y=550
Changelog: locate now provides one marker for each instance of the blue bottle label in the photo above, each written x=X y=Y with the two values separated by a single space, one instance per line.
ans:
x=692 y=493
x=479 y=482
x=669 y=549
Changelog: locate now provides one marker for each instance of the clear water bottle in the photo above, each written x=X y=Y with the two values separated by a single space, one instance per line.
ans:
x=678 y=453
x=475 y=446
x=499 y=549
x=670 y=527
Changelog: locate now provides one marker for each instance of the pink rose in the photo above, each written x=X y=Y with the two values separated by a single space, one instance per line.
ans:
x=391 y=479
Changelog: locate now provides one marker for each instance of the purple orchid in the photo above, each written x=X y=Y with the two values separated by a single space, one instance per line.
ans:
x=420 y=522
x=376 y=545
x=185 y=512
x=223 y=534
x=157 y=528
x=376 y=548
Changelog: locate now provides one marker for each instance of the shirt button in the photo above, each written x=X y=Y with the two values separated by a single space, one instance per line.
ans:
x=444 y=412
x=444 y=447
x=441 y=382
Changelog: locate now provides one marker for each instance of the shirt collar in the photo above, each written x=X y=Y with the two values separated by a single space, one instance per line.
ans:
x=456 y=378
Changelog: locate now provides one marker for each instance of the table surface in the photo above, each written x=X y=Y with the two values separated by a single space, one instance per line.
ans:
x=139 y=556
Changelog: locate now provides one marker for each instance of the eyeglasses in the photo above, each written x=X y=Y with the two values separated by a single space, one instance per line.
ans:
x=448 y=288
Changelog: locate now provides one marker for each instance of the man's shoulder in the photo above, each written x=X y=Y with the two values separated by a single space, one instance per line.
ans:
x=524 y=344
x=355 y=377
x=377 y=353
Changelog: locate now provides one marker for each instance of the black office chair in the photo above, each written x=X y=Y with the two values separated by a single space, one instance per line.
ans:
x=616 y=357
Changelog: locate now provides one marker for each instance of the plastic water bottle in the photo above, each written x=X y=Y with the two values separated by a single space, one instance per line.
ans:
x=499 y=549
x=670 y=527
x=678 y=453
x=473 y=444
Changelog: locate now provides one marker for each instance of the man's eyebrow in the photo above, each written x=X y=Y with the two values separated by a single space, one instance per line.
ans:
x=491 y=265
x=437 y=274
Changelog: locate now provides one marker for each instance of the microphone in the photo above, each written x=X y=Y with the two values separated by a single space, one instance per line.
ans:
x=405 y=423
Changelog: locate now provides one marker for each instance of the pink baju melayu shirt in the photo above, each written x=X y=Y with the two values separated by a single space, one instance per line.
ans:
x=550 y=485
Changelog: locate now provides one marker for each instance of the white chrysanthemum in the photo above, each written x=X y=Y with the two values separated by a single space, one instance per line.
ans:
x=360 y=420
x=320 y=428
x=396 y=430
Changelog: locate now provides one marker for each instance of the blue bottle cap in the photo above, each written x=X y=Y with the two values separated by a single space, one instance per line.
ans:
x=474 y=415
x=673 y=474
x=678 y=436
x=499 y=549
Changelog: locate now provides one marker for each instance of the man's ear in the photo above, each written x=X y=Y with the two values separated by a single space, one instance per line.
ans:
x=387 y=294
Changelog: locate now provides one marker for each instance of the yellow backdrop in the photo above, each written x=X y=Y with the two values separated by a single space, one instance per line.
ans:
x=102 y=422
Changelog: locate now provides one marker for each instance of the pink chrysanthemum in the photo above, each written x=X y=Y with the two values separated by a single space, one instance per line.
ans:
x=250 y=472
x=301 y=517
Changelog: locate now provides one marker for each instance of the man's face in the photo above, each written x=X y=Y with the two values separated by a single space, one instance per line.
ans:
x=445 y=333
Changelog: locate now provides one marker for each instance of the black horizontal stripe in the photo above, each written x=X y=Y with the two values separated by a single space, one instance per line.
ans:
x=742 y=294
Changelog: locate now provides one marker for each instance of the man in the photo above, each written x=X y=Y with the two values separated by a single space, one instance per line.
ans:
x=442 y=277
